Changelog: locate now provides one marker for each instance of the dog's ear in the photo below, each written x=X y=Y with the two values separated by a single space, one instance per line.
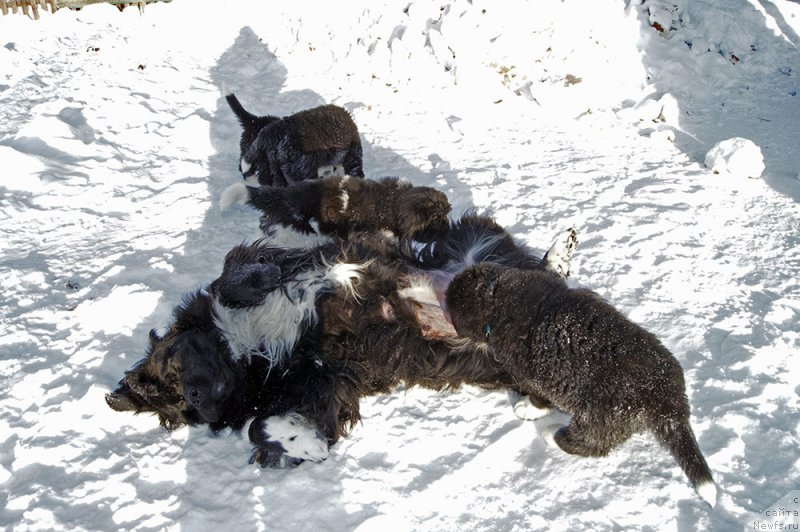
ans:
x=125 y=398
x=154 y=337
x=194 y=312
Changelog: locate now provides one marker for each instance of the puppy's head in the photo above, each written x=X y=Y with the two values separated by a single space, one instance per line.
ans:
x=186 y=377
x=469 y=298
x=252 y=272
x=422 y=214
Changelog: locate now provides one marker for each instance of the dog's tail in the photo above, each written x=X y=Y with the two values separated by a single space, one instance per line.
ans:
x=245 y=117
x=677 y=436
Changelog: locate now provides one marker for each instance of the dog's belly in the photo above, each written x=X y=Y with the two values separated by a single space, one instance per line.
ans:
x=421 y=296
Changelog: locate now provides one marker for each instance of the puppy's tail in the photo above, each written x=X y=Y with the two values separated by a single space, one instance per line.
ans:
x=245 y=117
x=678 y=437
x=236 y=193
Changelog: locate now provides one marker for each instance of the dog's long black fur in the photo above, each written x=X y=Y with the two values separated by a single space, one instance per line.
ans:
x=281 y=151
x=359 y=338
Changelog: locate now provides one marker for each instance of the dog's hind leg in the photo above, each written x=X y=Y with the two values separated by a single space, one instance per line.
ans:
x=584 y=438
x=558 y=257
x=529 y=407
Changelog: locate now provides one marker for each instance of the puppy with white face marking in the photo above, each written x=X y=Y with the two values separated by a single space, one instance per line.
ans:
x=570 y=349
x=280 y=151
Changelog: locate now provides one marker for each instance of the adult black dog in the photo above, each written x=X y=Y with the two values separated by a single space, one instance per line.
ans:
x=303 y=333
x=280 y=151
x=572 y=350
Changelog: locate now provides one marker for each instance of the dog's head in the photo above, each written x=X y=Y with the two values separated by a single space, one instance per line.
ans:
x=254 y=271
x=468 y=299
x=423 y=214
x=187 y=375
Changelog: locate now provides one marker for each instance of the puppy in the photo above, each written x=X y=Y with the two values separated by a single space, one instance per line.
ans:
x=281 y=151
x=569 y=349
x=340 y=205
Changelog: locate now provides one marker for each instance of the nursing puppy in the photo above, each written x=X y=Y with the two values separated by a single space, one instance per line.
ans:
x=572 y=350
x=281 y=151
x=340 y=205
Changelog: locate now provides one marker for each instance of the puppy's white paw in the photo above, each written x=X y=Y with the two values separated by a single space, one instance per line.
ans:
x=527 y=411
x=236 y=193
x=298 y=437
x=559 y=256
x=548 y=434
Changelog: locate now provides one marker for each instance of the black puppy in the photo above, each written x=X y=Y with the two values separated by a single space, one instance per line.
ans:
x=281 y=151
x=341 y=204
x=572 y=350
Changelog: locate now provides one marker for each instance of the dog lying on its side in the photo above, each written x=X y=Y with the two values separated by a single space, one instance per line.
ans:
x=281 y=151
x=573 y=351
x=308 y=331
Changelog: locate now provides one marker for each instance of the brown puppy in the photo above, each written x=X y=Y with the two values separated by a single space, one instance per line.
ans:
x=568 y=348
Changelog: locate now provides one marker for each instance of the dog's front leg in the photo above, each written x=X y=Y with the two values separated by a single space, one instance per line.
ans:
x=286 y=441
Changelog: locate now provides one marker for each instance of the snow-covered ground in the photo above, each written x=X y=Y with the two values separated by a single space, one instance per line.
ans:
x=115 y=145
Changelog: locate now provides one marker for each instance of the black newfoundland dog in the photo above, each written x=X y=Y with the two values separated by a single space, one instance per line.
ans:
x=294 y=336
x=280 y=151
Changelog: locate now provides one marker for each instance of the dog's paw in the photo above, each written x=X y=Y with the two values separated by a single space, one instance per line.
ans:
x=548 y=434
x=285 y=441
x=527 y=411
x=558 y=257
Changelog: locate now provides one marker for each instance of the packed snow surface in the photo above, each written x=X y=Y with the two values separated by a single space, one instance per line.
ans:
x=116 y=145
x=736 y=156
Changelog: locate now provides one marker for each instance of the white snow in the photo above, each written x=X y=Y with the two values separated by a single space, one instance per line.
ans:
x=116 y=147
x=737 y=157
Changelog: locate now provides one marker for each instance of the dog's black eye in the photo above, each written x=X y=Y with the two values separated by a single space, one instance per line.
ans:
x=262 y=259
x=293 y=438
